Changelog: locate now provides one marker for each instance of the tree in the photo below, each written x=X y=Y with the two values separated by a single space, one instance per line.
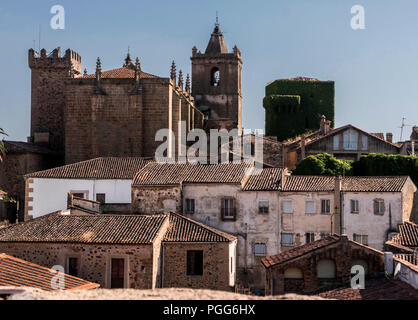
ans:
x=2 y=149
x=324 y=164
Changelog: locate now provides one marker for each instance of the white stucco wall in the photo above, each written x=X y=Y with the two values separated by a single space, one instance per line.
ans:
x=299 y=222
x=50 y=195
x=366 y=222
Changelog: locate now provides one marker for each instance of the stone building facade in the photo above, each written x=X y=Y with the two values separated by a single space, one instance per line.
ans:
x=326 y=262
x=127 y=251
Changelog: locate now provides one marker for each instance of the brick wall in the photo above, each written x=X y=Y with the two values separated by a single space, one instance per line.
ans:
x=152 y=200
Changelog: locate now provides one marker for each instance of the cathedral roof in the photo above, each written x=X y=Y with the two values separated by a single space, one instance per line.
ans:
x=217 y=42
x=124 y=72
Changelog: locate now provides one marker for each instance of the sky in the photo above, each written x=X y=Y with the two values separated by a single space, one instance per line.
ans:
x=375 y=69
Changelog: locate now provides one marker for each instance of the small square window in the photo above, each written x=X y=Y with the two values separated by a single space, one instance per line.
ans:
x=287 y=206
x=361 y=238
x=379 y=206
x=263 y=207
x=355 y=206
x=190 y=206
x=310 y=207
x=325 y=206
x=287 y=239
x=260 y=249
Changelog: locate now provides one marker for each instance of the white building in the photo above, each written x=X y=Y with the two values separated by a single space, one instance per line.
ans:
x=106 y=180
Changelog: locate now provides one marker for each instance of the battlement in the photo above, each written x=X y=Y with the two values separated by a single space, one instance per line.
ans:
x=42 y=60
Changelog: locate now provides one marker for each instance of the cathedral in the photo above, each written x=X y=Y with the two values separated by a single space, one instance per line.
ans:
x=77 y=116
x=118 y=112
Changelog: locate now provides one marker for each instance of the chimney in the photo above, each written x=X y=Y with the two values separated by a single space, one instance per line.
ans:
x=338 y=224
x=389 y=262
x=389 y=137
x=324 y=125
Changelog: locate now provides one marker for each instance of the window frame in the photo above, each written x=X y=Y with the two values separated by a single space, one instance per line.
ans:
x=67 y=269
x=263 y=207
x=351 y=206
x=328 y=206
x=381 y=205
x=351 y=143
x=187 y=203
x=306 y=207
x=361 y=238
x=311 y=236
x=291 y=206
x=287 y=234
x=228 y=209
x=192 y=255
x=264 y=253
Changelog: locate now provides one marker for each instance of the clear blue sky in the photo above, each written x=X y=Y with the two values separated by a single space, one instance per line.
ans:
x=375 y=70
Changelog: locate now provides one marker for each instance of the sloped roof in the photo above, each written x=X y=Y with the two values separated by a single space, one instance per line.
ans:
x=111 y=229
x=120 y=73
x=216 y=42
x=268 y=179
x=15 y=272
x=408 y=235
x=375 y=289
x=299 y=251
x=183 y=229
x=104 y=229
x=174 y=174
x=99 y=168
x=349 y=184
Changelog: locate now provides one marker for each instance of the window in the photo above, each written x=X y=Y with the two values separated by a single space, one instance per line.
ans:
x=72 y=267
x=293 y=274
x=287 y=239
x=228 y=209
x=190 y=205
x=361 y=238
x=336 y=142
x=287 y=206
x=195 y=263
x=79 y=194
x=263 y=207
x=350 y=140
x=326 y=269
x=325 y=206
x=215 y=78
x=355 y=206
x=310 y=237
x=117 y=273
x=260 y=249
x=364 y=141
x=310 y=206
x=101 y=197
x=379 y=206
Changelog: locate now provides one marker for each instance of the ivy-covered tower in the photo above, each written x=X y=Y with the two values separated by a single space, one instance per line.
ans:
x=294 y=106
x=216 y=82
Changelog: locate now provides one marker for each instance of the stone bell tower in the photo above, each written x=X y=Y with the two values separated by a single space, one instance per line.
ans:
x=216 y=82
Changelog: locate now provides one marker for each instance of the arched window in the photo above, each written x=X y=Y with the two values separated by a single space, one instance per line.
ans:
x=293 y=274
x=326 y=269
x=215 y=77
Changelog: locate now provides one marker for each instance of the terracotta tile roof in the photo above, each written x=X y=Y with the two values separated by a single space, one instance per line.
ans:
x=408 y=235
x=375 y=289
x=99 y=168
x=268 y=179
x=174 y=174
x=110 y=229
x=409 y=257
x=20 y=273
x=349 y=184
x=119 y=73
x=299 y=251
x=183 y=229
x=309 y=183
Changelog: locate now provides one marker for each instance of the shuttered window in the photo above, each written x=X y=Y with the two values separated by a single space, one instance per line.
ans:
x=194 y=263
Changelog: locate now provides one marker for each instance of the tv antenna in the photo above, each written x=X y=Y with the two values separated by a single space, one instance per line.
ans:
x=403 y=126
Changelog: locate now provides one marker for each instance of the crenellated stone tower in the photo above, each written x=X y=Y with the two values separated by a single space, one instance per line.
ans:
x=216 y=82
x=49 y=74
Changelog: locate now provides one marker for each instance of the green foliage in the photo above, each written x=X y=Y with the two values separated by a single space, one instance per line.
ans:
x=294 y=106
x=324 y=165
x=376 y=164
